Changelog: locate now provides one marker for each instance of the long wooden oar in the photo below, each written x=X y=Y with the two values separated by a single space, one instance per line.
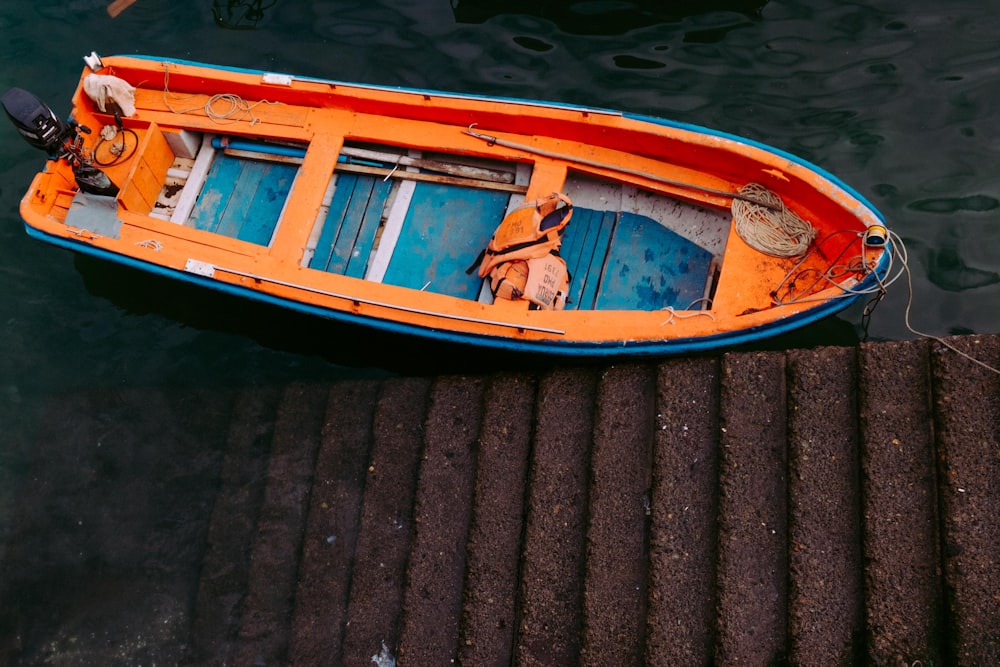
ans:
x=614 y=167
x=118 y=6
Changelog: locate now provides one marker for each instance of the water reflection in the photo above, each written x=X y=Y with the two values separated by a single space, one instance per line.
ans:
x=974 y=203
x=610 y=17
x=950 y=272
x=240 y=14
x=202 y=312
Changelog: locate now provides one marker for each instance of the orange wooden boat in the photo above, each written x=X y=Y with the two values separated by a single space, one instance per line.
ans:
x=606 y=233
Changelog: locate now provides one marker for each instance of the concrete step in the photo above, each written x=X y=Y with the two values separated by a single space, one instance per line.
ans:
x=684 y=500
x=276 y=547
x=753 y=542
x=966 y=408
x=616 y=569
x=553 y=556
x=385 y=530
x=225 y=569
x=903 y=590
x=819 y=506
x=824 y=508
x=756 y=507
x=490 y=611
x=432 y=602
x=331 y=538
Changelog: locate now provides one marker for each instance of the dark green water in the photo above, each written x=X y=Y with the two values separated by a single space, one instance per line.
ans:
x=898 y=98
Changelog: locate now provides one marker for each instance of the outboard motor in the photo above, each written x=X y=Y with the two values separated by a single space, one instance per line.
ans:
x=36 y=122
x=43 y=129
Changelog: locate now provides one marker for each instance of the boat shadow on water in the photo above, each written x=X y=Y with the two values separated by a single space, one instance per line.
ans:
x=285 y=330
x=355 y=346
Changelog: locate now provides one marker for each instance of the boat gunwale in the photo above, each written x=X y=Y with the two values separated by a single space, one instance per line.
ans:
x=812 y=178
x=564 y=106
x=697 y=130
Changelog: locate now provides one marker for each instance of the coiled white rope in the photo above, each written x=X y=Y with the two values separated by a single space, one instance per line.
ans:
x=769 y=226
x=221 y=107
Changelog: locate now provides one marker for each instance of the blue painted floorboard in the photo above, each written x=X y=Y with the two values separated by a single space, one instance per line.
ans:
x=445 y=229
x=351 y=223
x=639 y=265
x=243 y=198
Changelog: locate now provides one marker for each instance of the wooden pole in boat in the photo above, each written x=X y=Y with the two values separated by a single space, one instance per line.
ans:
x=625 y=170
x=118 y=6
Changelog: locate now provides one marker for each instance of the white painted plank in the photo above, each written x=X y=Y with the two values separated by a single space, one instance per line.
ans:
x=317 y=230
x=390 y=234
x=192 y=188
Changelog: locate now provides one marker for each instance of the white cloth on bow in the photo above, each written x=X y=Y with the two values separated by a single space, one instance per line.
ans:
x=104 y=89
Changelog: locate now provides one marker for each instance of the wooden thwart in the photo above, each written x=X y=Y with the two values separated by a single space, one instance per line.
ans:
x=432 y=178
x=463 y=170
x=381 y=171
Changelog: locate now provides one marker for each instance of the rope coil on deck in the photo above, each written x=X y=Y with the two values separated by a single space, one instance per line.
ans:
x=768 y=226
x=222 y=108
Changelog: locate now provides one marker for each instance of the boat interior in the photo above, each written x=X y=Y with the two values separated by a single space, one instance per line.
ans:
x=419 y=219
x=338 y=191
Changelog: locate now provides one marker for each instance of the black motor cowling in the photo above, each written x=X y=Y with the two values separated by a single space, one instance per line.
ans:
x=43 y=129
x=36 y=122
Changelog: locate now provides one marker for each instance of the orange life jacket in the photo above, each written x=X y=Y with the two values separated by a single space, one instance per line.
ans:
x=522 y=259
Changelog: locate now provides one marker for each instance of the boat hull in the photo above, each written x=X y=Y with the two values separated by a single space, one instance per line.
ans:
x=328 y=205
x=667 y=347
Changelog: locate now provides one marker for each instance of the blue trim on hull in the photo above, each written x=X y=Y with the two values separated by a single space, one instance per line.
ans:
x=593 y=350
